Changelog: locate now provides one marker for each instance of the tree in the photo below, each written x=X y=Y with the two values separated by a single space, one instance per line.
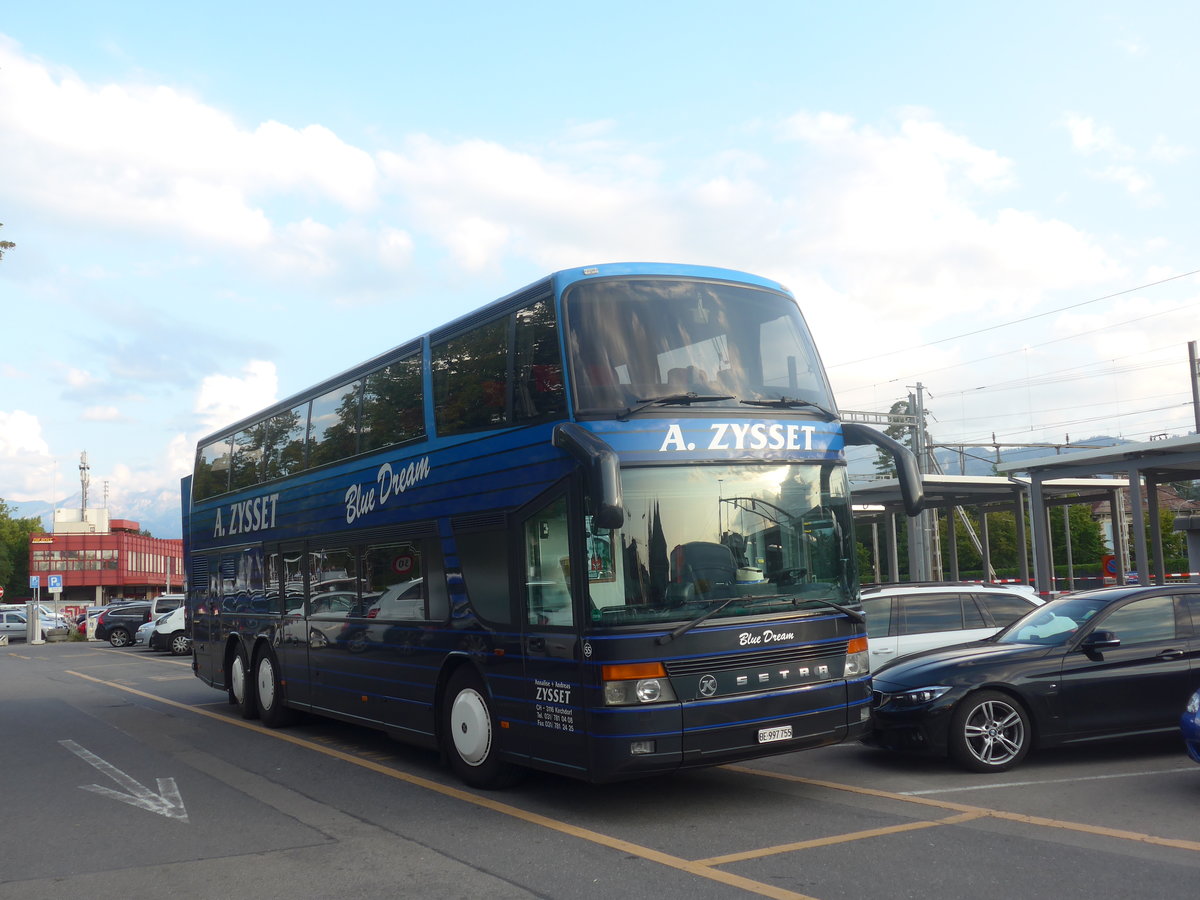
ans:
x=14 y=550
x=5 y=245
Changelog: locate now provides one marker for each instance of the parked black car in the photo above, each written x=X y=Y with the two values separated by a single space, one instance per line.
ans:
x=117 y=624
x=1099 y=664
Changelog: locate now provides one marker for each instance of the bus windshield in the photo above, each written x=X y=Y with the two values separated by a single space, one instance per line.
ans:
x=636 y=339
x=773 y=537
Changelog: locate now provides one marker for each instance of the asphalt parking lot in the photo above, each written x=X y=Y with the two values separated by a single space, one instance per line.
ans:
x=128 y=777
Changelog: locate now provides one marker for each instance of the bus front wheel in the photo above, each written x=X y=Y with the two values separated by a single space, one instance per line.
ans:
x=468 y=733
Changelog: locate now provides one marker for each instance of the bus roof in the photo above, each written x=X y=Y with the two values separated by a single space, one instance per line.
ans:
x=559 y=280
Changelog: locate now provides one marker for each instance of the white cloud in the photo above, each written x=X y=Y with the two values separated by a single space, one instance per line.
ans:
x=222 y=399
x=1088 y=137
x=26 y=469
x=1165 y=151
x=1136 y=183
x=151 y=157
x=103 y=414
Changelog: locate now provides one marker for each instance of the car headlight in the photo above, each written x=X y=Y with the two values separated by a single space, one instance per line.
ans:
x=631 y=684
x=1193 y=705
x=917 y=697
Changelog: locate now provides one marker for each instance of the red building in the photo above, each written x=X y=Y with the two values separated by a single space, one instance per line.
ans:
x=102 y=559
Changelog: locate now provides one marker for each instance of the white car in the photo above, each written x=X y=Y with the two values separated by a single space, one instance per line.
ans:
x=145 y=630
x=169 y=634
x=905 y=618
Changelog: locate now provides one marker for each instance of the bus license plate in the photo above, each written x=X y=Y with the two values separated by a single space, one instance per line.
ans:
x=767 y=735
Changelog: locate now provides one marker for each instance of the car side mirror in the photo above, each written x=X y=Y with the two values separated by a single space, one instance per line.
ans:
x=1099 y=641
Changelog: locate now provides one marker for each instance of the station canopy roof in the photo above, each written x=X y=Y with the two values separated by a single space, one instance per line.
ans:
x=1169 y=459
x=943 y=491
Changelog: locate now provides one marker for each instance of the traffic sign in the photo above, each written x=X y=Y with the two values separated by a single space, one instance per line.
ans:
x=54 y=583
x=35 y=582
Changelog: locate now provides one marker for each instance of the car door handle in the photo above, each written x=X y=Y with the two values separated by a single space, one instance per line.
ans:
x=1171 y=654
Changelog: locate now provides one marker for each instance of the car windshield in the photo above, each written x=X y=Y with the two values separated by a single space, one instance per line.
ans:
x=766 y=538
x=1055 y=623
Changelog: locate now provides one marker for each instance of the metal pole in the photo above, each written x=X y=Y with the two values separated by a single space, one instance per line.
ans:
x=1120 y=535
x=985 y=545
x=1022 y=539
x=1043 y=573
x=1194 y=368
x=1140 y=556
x=1070 y=552
x=1154 y=523
x=875 y=551
x=893 y=545
x=952 y=539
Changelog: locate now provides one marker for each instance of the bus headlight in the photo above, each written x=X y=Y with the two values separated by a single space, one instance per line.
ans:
x=858 y=661
x=632 y=683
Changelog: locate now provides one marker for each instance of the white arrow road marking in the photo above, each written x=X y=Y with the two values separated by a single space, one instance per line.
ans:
x=167 y=802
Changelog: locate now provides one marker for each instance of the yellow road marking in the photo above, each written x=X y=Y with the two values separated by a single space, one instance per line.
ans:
x=836 y=839
x=647 y=853
x=1040 y=821
x=702 y=868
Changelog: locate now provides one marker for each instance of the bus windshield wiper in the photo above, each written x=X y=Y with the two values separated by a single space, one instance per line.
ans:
x=670 y=400
x=792 y=403
x=688 y=626
x=856 y=614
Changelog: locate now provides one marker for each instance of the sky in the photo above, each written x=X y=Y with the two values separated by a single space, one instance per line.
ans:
x=217 y=205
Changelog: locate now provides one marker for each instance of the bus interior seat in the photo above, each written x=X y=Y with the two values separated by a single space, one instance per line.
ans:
x=687 y=378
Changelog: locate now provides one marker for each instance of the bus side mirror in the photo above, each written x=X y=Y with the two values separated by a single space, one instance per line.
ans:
x=601 y=469
x=912 y=490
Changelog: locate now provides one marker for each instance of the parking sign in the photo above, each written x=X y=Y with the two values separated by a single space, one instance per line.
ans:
x=54 y=583
x=35 y=582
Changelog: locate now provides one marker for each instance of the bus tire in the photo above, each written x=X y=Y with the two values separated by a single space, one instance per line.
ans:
x=241 y=685
x=468 y=733
x=268 y=690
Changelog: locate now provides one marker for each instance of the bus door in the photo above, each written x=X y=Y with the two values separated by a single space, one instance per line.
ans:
x=554 y=697
x=285 y=595
x=203 y=587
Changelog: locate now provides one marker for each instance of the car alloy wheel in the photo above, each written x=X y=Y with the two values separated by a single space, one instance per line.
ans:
x=990 y=732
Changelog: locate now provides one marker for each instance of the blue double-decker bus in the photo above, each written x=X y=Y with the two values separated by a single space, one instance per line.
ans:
x=600 y=527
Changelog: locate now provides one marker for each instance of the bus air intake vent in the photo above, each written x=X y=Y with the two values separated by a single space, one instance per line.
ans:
x=772 y=657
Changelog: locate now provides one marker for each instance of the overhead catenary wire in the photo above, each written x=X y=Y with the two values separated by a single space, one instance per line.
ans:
x=1030 y=318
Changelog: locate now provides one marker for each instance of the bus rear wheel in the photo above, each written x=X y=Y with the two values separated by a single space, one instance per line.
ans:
x=268 y=686
x=241 y=687
x=468 y=734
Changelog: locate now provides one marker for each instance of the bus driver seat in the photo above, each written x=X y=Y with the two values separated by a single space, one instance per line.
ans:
x=688 y=378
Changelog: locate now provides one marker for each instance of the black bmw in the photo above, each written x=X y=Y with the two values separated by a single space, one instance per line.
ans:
x=1099 y=664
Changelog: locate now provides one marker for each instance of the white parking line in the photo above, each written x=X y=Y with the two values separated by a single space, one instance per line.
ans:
x=1006 y=784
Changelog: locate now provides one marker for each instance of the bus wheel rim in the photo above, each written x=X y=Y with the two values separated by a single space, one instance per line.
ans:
x=237 y=678
x=471 y=727
x=266 y=683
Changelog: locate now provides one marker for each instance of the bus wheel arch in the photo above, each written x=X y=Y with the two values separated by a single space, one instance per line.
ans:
x=239 y=679
x=467 y=730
